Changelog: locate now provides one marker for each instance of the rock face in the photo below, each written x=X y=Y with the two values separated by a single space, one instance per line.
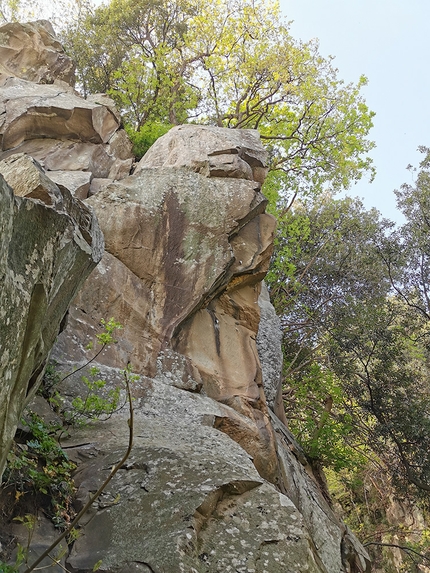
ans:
x=31 y=52
x=186 y=253
x=40 y=114
x=215 y=481
x=49 y=243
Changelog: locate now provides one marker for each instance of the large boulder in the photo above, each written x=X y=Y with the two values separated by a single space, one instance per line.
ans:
x=49 y=243
x=33 y=53
x=211 y=151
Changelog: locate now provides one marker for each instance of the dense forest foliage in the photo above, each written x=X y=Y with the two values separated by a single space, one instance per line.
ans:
x=351 y=288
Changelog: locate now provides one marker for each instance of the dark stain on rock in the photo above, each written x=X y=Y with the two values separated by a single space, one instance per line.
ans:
x=215 y=323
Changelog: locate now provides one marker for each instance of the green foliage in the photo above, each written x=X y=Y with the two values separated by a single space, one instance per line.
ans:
x=93 y=406
x=20 y=558
x=325 y=263
x=40 y=466
x=106 y=336
x=230 y=63
x=317 y=415
x=391 y=527
x=14 y=10
x=96 y=403
x=145 y=136
x=352 y=294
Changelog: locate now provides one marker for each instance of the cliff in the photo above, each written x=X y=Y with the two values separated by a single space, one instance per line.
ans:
x=215 y=481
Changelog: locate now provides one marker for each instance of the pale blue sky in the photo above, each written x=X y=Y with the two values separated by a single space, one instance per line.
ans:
x=389 y=42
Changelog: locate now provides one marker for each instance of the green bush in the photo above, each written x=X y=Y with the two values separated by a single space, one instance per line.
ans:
x=146 y=136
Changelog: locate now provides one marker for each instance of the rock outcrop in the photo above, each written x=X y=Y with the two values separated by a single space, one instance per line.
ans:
x=186 y=253
x=75 y=139
x=49 y=243
x=215 y=481
x=33 y=53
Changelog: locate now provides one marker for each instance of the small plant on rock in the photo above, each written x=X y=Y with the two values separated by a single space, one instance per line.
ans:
x=96 y=403
x=39 y=473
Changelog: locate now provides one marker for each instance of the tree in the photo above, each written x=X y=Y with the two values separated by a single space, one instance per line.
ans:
x=231 y=63
x=326 y=264
x=135 y=52
x=351 y=292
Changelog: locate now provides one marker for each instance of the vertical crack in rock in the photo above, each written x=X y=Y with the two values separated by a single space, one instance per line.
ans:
x=215 y=323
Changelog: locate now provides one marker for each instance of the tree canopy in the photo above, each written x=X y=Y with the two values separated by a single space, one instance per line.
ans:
x=352 y=292
x=229 y=63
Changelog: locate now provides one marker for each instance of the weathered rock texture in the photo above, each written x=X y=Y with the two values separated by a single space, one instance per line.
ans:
x=31 y=52
x=49 y=243
x=40 y=114
x=186 y=253
x=213 y=484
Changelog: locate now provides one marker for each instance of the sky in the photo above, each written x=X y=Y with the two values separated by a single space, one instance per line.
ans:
x=388 y=41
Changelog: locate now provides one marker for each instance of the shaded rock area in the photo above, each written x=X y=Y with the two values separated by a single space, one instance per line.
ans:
x=49 y=243
x=215 y=482
x=41 y=115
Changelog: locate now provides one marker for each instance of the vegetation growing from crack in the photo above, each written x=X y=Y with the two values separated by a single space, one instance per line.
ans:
x=39 y=473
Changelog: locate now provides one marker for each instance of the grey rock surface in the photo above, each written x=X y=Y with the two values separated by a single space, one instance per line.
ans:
x=48 y=246
x=269 y=345
x=269 y=339
x=188 y=498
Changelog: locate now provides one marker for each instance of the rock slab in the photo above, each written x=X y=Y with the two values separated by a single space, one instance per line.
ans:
x=49 y=243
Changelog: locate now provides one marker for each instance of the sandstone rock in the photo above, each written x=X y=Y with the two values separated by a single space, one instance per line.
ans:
x=120 y=168
x=188 y=499
x=170 y=229
x=97 y=184
x=39 y=149
x=77 y=182
x=48 y=246
x=32 y=52
x=27 y=179
x=76 y=156
x=211 y=151
x=77 y=139
x=106 y=101
x=33 y=111
x=120 y=145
